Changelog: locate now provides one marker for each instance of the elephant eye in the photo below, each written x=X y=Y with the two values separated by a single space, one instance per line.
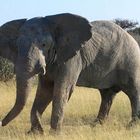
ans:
x=43 y=45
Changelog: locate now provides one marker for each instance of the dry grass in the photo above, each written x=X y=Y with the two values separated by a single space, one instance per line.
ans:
x=80 y=113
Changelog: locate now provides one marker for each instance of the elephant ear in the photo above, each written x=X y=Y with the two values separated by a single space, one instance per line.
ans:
x=70 y=32
x=11 y=28
x=8 y=35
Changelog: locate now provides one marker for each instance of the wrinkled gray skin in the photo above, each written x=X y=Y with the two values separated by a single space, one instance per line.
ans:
x=99 y=55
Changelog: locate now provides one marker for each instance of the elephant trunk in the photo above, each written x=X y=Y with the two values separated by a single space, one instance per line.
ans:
x=23 y=87
x=27 y=66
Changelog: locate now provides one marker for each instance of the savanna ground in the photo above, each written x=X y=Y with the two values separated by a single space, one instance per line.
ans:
x=79 y=114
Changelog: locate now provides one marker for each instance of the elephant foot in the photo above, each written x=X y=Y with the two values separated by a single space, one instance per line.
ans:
x=54 y=132
x=36 y=131
x=96 y=122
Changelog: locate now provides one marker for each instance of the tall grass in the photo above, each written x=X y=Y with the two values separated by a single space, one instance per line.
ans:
x=79 y=114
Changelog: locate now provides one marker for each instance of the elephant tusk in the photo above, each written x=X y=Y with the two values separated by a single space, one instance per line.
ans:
x=0 y=123
x=44 y=71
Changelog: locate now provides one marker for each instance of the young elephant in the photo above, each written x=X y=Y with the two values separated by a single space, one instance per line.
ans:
x=100 y=55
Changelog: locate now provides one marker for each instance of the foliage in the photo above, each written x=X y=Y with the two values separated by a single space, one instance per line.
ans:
x=125 y=23
x=136 y=31
x=136 y=37
x=136 y=34
x=6 y=70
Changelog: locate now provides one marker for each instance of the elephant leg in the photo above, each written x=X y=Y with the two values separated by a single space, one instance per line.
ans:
x=134 y=97
x=60 y=98
x=43 y=97
x=107 y=96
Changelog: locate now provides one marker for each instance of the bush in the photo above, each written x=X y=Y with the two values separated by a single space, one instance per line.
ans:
x=6 y=69
x=136 y=37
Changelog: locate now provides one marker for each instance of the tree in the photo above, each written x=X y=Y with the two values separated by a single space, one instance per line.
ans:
x=125 y=23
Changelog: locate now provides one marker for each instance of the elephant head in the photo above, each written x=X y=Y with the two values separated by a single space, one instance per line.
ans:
x=9 y=33
x=44 y=41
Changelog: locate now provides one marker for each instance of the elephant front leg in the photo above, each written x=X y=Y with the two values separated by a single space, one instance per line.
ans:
x=60 y=98
x=64 y=83
x=43 y=97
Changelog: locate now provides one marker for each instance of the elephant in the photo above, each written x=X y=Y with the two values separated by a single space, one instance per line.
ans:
x=67 y=50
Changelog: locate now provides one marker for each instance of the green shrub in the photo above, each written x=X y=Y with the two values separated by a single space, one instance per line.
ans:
x=6 y=69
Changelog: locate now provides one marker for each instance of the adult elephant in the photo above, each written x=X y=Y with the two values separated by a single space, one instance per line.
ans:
x=100 y=55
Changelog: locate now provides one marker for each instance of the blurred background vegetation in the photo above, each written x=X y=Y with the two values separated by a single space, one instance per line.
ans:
x=132 y=27
x=6 y=70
